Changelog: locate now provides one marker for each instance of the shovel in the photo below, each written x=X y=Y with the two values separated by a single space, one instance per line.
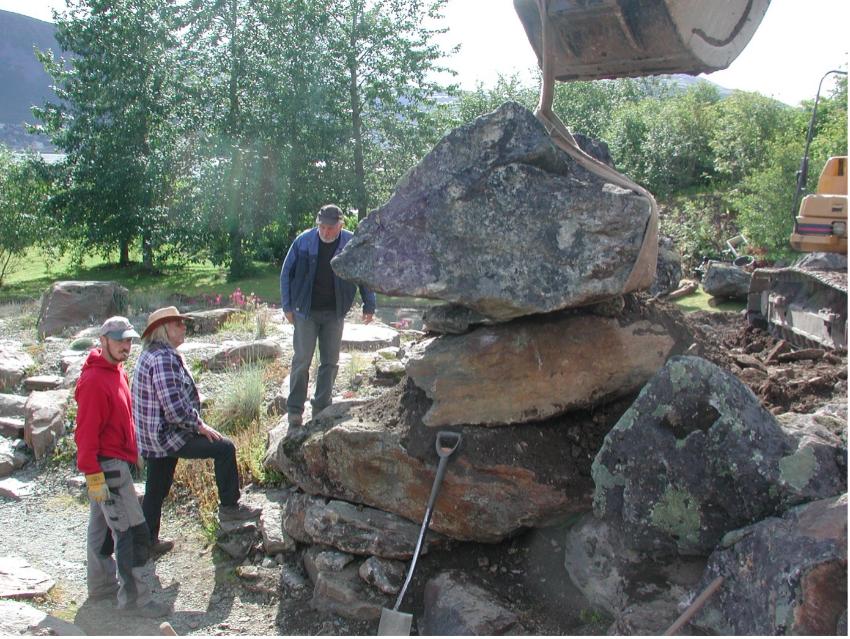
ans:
x=392 y=621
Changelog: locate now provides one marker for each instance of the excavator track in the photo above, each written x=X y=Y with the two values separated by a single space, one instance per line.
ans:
x=805 y=307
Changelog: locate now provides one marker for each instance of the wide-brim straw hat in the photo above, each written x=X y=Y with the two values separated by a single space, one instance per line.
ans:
x=161 y=316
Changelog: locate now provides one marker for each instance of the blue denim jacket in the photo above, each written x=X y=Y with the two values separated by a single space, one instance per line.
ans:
x=299 y=273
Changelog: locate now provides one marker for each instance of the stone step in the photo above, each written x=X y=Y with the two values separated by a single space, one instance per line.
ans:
x=12 y=427
x=43 y=382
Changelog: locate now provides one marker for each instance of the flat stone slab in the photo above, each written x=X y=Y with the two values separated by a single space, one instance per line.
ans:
x=19 y=580
x=15 y=489
x=18 y=618
x=368 y=337
x=12 y=427
x=43 y=382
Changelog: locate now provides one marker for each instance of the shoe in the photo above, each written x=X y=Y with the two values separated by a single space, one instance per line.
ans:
x=295 y=420
x=238 y=512
x=161 y=546
x=151 y=610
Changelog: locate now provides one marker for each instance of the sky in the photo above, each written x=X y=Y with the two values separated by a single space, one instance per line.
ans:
x=797 y=42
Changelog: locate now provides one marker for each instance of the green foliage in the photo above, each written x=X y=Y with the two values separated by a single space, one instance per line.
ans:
x=745 y=127
x=24 y=185
x=699 y=225
x=665 y=143
x=764 y=198
x=114 y=122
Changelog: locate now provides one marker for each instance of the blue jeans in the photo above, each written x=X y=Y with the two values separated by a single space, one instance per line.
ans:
x=325 y=328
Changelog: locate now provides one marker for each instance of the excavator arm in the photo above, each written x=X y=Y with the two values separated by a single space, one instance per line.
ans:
x=598 y=39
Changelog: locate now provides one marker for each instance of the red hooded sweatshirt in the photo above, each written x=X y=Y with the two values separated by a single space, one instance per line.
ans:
x=104 y=415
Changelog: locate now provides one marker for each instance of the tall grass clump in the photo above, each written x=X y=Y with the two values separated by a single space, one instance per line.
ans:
x=240 y=401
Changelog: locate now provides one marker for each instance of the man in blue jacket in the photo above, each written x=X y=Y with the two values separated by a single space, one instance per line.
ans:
x=316 y=301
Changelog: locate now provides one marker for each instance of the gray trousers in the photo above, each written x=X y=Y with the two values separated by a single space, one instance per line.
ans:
x=325 y=328
x=121 y=516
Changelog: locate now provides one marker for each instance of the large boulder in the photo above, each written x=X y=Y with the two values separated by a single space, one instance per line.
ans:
x=533 y=368
x=697 y=455
x=68 y=304
x=726 y=281
x=547 y=234
x=497 y=483
x=782 y=576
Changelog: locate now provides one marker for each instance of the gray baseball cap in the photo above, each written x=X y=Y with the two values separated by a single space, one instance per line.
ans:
x=118 y=327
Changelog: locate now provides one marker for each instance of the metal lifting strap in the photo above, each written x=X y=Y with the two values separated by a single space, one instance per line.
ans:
x=644 y=268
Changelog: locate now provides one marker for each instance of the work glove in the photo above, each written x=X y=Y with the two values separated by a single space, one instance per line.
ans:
x=98 y=491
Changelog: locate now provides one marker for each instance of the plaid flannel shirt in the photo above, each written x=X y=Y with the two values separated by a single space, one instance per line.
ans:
x=166 y=404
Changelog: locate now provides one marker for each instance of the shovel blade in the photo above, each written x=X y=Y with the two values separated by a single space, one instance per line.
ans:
x=394 y=623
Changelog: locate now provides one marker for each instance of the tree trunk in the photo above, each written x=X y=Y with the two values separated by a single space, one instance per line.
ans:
x=147 y=254
x=360 y=198
x=124 y=252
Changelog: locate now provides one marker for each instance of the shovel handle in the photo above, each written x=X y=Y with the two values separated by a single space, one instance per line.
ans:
x=447 y=443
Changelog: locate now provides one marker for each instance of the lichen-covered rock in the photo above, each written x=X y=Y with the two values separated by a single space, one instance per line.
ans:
x=782 y=576
x=546 y=233
x=696 y=456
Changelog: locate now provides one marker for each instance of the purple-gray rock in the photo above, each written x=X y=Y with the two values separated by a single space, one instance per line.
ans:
x=498 y=219
x=726 y=281
x=68 y=304
x=782 y=576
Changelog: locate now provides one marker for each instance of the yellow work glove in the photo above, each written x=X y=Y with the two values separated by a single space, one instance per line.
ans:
x=96 y=484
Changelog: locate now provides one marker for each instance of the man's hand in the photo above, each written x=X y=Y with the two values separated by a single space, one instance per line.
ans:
x=98 y=490
x=209 y=432
x=367 y=318
x=290 y=316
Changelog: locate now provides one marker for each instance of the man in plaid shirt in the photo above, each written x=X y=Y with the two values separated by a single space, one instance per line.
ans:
x=167 y=413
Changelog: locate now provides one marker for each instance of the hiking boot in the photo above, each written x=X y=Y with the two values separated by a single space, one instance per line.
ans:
x=295 y=420
x=109 y=597
x=238 y=512
x=161 y=546
x=151 y=610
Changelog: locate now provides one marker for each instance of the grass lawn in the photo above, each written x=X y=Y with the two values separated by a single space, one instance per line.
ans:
x=35 y=275
x=702 y=301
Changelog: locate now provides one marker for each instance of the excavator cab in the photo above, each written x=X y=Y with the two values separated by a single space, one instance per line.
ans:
x=822 y=222
x=599 y=39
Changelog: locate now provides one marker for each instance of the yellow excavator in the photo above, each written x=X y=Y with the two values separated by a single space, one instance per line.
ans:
x=806 y=303
x=606 y=39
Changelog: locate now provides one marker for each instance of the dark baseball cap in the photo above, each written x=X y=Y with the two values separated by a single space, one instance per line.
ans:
x=329 y=214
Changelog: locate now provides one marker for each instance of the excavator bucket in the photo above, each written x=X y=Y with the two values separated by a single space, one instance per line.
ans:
x=597 y=39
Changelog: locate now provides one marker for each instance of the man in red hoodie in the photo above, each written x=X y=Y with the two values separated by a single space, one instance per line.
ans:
x=106 y=451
